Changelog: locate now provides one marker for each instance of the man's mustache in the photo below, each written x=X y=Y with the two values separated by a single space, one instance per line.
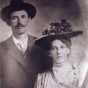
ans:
x=20 y=25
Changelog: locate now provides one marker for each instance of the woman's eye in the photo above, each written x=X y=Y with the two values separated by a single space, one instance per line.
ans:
x=53 y=48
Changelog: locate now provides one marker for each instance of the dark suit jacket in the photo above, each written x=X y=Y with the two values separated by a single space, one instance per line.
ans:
x=16 y=70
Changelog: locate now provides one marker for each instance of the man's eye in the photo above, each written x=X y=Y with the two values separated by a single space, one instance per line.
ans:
x=13 y=18
x=62 y=46
x=23 y=16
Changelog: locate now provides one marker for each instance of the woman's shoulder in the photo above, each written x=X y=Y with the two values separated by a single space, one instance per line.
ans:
x=44 y=74
x=42 y=79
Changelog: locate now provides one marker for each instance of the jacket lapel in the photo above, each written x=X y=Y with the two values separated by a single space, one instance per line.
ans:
x=14 y=52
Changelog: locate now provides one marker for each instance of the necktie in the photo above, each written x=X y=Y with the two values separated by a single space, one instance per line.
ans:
x=19 y=45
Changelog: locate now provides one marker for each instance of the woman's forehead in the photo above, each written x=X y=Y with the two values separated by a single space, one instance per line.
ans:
x=57 y=42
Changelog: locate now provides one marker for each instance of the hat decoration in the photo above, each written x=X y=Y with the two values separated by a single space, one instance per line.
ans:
x=57 y=30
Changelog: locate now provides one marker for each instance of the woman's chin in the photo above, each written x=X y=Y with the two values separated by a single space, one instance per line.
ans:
x=59 y=61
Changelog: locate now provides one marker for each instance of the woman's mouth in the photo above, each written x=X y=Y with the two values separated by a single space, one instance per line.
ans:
x=59 y=56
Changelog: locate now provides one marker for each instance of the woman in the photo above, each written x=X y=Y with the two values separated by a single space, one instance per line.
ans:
x=58 y=46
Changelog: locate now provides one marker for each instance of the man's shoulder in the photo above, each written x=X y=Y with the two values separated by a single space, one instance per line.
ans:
x=31 y=38
x=5 y=41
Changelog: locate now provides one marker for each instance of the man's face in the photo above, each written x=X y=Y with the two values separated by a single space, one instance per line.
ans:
x=19 y=21
x=59 y=51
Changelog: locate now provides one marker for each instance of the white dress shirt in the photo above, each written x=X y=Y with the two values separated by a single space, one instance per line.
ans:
x=22 y=45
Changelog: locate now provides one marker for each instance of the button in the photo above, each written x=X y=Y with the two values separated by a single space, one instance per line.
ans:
x=24 y=56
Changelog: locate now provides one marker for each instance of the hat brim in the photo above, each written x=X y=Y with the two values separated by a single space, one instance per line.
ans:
x=40 y=41
x=31 y=10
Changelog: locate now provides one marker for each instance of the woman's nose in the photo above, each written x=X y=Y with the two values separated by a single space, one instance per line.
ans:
x=59 y=51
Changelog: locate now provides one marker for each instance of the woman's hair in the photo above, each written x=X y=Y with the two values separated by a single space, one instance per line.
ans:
x=64 y=39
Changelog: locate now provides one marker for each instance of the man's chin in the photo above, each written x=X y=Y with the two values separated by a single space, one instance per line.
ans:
x=20 y=33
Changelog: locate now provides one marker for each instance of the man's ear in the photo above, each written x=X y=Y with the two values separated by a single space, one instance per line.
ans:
x=29 y=19
x=69 y=51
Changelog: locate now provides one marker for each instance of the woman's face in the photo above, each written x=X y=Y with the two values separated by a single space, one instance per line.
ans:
x=59 y=51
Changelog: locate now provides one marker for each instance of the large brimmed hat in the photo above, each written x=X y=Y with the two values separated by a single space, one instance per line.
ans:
x=57 y=31
x=16 y=5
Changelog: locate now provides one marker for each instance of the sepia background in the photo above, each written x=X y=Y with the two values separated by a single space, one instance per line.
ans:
x=75 y=11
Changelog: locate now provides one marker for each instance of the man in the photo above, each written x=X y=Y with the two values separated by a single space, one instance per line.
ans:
x=17 y=69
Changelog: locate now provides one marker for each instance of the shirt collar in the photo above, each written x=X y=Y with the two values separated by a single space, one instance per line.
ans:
x=16 y=40
x=23 y=44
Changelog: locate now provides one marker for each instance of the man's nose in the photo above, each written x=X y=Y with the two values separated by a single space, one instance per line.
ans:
x=19 y=20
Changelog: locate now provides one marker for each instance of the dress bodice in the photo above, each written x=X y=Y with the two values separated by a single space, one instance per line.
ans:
x=60 y=77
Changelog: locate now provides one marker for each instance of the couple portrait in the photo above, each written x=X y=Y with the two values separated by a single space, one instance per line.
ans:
x=43 y=44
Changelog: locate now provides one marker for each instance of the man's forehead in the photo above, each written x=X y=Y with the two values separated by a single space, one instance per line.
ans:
x=18 y=13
